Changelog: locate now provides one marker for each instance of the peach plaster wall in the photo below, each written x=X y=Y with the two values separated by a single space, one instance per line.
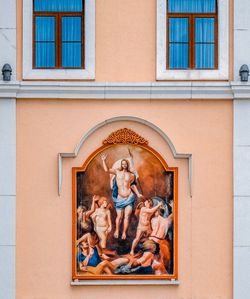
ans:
x=47 y=127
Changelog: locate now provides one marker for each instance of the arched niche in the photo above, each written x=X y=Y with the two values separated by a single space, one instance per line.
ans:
x=115 y=120
x=152 y=188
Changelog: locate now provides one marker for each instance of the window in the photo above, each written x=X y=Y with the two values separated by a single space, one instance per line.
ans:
x=59 y=39
x=192 y=34
x=58 y=27
x=192 y=39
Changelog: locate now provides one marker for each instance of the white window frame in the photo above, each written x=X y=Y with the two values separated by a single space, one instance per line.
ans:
x=59 y=74
x=223 y=48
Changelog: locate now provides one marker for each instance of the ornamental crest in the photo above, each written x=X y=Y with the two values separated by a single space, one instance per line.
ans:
x=125 y=136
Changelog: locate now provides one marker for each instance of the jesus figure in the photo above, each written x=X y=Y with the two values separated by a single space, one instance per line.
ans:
x=124 y=192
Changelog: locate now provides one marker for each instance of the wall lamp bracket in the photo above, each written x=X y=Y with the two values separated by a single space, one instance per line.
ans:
x=244 y=73
x=6 y=72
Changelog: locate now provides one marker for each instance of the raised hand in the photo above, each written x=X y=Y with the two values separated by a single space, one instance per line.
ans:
x=95 y=198
x=130 y=153
x=103 y=157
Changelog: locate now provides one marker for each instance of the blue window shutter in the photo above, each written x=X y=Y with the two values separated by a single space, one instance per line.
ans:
x=204 y=43
x=178 y=43
x=45 y=42
x=71 y=42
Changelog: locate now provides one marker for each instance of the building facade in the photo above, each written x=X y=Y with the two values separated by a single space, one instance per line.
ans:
x=169 y=71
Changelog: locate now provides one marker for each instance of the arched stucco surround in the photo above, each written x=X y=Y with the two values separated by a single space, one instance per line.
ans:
x=85 y=136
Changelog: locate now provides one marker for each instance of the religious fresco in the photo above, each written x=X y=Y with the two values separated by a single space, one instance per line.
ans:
x=124 y=212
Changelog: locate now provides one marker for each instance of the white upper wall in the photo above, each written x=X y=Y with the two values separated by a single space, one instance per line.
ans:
x=241 y=35
x=8 y=35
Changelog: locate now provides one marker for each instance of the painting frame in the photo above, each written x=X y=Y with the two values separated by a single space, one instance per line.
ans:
x=75 y=170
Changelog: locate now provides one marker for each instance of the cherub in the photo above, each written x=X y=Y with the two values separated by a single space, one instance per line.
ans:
x=144 y=225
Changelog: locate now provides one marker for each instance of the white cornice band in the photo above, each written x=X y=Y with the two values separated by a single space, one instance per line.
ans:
x=152 y=91
x=241 y=90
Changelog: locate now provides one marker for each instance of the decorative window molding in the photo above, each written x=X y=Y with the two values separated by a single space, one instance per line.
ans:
x=162 y=73
x=59 y=74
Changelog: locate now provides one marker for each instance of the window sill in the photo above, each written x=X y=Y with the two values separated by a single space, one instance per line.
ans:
x=125 y=282
x=56 y=74
x=191 y=75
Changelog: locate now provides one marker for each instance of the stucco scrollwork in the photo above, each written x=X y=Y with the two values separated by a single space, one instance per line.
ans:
x=125 y=136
